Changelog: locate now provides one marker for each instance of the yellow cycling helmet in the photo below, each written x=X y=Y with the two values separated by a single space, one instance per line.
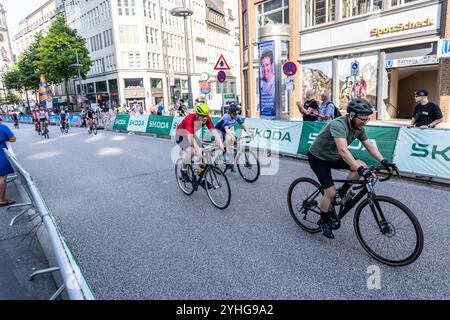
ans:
x=202 y=109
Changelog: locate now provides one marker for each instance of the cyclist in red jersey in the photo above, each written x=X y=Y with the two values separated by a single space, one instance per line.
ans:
x=185 y=137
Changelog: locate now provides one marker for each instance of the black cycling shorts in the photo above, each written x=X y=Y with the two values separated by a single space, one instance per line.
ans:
x=322 y=169
x=43 y=120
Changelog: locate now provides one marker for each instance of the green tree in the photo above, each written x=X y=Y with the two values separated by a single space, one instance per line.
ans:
x=25 y=76
x=13 y=98
x=58 y=50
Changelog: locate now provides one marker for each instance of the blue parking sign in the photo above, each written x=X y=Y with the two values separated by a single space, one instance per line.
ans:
x=355 y=68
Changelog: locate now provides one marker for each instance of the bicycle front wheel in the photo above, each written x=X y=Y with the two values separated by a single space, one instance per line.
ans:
x=303 y=201
x=219 y=160
x=217 y=188
x=94 y=129
x=248 y=165
x=388 y=231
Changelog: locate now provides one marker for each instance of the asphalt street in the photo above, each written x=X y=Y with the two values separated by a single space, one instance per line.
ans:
x=137 y=236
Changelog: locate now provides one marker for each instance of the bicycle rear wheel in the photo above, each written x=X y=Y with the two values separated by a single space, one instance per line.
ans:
x=248 y=165
x=185 y=185
x=303 y=201
x=388 y=231
x=217 y=187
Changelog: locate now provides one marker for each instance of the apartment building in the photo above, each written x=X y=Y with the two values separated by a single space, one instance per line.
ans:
x=139 y=52
x=5 y=51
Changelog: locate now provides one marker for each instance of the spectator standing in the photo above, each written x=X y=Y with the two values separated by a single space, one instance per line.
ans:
x=326 y=109
x=5 y=167
x=310 y=109
x=426 y=114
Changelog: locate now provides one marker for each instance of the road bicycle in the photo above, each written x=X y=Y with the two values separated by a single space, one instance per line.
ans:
x=386 y=229
x=64 y=127
x=45 y=131
x=211 y=178
x=245 y=159
x=93 y=125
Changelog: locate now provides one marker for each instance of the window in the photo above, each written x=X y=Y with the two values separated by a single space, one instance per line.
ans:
x=113 y=87
x=319 y=11
x=134 y=83
x=156 y=83
x=126 y=7
x=271 y=12
x=353 y=8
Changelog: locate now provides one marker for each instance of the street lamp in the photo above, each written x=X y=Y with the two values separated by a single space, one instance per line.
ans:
x=78 y=66
x=185 y=13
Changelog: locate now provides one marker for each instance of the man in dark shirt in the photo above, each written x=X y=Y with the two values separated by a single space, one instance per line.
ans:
x=426 y=114
x=310 y=109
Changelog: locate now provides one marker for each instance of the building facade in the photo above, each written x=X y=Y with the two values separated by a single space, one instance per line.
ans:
x=139 y=52
x=39 y=21
x=392 y=43
x=5 y=51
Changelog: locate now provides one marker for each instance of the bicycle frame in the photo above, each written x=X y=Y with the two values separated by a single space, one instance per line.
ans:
x=197 y=181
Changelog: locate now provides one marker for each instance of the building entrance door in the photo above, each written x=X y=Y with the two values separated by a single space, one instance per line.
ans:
x=404 y=83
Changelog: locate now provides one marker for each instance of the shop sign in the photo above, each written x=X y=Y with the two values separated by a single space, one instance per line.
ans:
x=376 y=32
x=414 y=61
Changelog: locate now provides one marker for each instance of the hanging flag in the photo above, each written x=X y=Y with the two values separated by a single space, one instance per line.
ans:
x=43 y=91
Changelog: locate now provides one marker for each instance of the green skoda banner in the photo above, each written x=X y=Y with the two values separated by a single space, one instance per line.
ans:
x=309 y=133
x=121 y=122
x=138 y=123
x=279 y=136
x=384 y=138
x=176 y=121
x=159 y=125
x=424 y=152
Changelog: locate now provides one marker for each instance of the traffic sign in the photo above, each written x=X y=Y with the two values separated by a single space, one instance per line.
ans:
x=221 y=76
x=355 y=68
x=289 y=82
x=443 y=50
x=289 y=68
x=204 y=87
x=221 y=64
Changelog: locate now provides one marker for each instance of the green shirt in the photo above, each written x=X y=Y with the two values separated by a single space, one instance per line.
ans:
x=324 y=146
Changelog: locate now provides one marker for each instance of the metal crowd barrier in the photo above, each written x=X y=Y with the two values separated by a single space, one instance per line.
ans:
x=74 y=281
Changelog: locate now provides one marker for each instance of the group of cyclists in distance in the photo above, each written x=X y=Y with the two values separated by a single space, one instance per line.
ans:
x=41 y=118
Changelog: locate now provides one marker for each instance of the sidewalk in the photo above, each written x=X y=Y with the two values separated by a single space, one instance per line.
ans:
x=21 y=254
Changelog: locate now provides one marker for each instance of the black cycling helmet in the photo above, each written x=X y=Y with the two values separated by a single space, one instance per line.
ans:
x=359 y=106
x=232 y=109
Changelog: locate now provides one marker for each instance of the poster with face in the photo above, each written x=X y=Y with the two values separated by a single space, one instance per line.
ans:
x=267 y=84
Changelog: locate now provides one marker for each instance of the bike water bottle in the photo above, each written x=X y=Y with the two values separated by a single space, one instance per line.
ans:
x=337 y=199
x=348 y=196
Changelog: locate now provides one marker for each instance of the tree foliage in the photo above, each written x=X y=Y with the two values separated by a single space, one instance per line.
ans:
x=57 y=51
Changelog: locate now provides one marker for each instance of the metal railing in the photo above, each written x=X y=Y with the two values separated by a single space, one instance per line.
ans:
x=74 y=282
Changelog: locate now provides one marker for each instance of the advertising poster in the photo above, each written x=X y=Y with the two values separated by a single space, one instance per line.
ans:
x=267 y=83
x=317 y=76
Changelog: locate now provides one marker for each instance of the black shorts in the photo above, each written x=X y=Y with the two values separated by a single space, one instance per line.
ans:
x=43 y=120
x=322 y=169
